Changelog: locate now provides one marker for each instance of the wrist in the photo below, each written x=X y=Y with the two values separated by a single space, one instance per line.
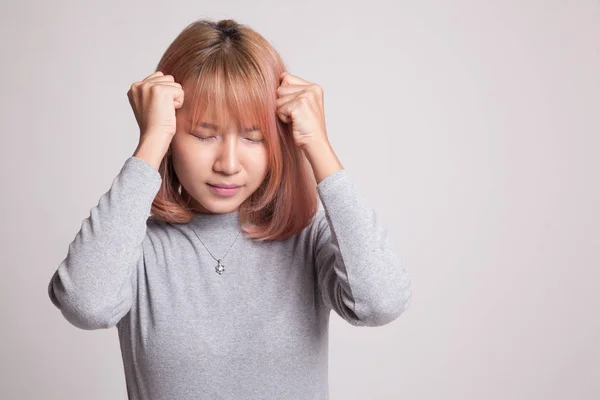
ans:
x=151 y=152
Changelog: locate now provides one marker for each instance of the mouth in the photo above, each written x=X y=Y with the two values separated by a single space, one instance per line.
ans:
x=225 y=186
x=224 y=191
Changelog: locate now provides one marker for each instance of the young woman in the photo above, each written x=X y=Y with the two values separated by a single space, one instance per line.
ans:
x=209 y=252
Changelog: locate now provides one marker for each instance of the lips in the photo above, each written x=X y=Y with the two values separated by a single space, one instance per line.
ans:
x=225 y=192
x=225 y=186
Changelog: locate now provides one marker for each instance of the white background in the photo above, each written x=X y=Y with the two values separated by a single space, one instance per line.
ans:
x=471 y=126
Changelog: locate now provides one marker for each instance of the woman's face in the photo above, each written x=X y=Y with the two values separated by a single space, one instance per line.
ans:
x=207 y=155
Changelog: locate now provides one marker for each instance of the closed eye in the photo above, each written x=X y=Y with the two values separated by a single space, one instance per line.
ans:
x=248 y=139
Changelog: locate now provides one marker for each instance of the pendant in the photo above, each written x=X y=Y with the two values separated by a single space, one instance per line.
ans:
x=220 y=268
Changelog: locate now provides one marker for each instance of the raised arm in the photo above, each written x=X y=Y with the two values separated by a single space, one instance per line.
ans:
x=359 y=275
x=93 y=285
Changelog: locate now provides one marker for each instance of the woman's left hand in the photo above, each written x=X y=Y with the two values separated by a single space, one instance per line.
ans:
x=301 y=103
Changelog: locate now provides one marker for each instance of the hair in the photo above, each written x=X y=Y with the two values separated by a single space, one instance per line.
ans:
x=231 y=67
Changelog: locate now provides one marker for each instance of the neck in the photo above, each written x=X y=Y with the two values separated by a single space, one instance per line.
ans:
x=217 y=222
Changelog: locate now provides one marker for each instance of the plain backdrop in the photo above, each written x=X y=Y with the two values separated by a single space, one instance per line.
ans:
x=471 y=126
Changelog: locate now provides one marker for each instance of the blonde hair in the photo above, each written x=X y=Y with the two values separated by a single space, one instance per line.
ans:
x=232 y=67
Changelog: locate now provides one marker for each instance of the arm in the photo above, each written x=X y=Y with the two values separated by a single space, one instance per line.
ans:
x=93 y=285
x=359 y=275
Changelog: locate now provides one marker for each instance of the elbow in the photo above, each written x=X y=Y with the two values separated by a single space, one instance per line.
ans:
x=93 y=319
x=381 y=314
x=87 y=313
x=384 y=307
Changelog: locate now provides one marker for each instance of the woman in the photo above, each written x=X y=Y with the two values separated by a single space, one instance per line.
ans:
x=226 y=292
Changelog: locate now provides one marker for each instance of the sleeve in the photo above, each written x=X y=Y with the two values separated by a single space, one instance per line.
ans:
x=93 y=285
x=358 y=274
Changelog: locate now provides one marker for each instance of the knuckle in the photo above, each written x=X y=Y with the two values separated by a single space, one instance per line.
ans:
x=155 y=89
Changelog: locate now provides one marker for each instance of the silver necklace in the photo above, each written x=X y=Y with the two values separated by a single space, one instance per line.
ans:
x=220 y=267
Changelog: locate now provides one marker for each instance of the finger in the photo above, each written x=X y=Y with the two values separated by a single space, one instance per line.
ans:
x=283 y=90
x=155 y=73
x=284 y=111
x=161 y=78
x=167 y=83
x=293 y=79
x=179 y=93
x=286 y=99
x=178 y=99
x=284 y=118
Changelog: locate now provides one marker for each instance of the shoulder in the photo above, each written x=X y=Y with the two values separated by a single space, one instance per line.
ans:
x=160 y=233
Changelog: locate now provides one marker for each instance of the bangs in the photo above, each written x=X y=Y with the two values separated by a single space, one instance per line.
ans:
x=234 y=92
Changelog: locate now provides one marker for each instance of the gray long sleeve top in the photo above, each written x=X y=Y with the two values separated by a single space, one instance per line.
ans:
x=257 y=331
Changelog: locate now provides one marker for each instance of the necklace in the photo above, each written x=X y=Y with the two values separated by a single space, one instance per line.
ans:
x=220 y=267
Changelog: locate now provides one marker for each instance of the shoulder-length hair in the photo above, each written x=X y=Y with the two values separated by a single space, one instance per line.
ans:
x=231 y=67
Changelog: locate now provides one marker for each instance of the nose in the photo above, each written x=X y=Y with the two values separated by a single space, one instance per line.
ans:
x=227 y=160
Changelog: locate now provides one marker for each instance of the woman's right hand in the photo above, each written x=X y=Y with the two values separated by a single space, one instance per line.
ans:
x=154 y=101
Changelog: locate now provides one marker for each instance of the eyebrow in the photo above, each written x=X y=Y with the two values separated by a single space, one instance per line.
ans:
x=208 y=125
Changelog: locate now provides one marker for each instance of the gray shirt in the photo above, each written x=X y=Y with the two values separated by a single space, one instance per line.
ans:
x=257 y=331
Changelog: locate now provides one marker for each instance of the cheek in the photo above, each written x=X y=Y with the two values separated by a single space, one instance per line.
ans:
x=257 y=162
x=190 y=165
x=189 y=150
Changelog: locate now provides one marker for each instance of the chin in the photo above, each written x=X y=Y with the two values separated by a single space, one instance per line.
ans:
x=220 y=205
